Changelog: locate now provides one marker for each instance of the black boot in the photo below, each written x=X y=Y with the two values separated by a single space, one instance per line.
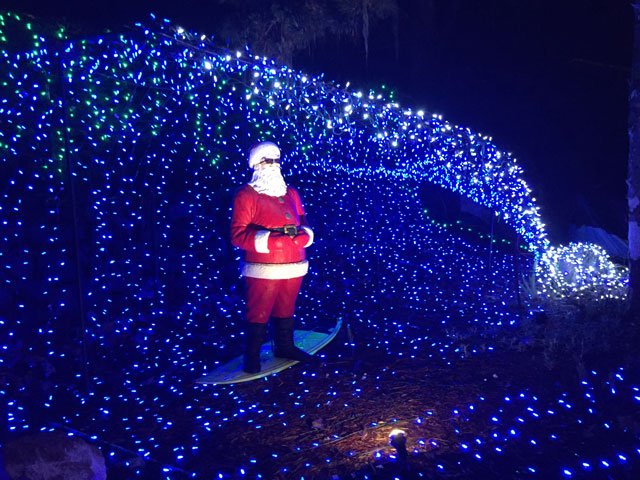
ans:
x=255 y=333
x=283 y=339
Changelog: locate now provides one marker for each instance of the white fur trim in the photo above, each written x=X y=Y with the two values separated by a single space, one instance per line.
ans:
x=275 y=271
x=310 y=233
x=261 y=241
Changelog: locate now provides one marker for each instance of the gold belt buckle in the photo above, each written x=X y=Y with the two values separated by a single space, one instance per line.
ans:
x=290 y=230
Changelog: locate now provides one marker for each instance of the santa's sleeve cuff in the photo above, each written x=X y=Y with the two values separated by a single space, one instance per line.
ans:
x=310 y=233
x=261 y=241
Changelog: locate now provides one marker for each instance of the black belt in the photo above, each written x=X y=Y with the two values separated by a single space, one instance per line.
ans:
x=291 y=230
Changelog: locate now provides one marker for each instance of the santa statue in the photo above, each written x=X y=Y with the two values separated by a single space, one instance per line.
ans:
x=269 y=224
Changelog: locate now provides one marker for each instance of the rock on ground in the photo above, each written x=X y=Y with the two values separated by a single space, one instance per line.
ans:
x=53 y=456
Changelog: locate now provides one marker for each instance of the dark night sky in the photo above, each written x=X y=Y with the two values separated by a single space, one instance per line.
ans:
x=547 y=79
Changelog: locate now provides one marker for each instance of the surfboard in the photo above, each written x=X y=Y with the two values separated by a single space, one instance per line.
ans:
x=231 y=372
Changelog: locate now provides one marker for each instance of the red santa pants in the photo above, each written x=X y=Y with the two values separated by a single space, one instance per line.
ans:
x=267 y=298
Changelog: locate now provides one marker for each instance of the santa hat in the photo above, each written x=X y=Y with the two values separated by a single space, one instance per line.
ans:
x=261 y=151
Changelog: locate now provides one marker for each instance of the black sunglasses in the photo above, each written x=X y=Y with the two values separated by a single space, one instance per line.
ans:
x=270 y=161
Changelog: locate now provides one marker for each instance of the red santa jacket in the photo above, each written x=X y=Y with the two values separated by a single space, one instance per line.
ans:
x=254 y=213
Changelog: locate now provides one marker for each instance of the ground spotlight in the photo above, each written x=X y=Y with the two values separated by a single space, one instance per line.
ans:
x=398 y=440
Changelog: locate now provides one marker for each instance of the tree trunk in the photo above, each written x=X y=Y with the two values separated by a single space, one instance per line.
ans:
x=633 y=180
x=365 y=30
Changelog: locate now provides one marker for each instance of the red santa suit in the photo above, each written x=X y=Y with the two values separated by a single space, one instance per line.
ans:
x=273 y=267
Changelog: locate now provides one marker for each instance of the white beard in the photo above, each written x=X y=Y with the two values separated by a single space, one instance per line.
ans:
x=269 y=181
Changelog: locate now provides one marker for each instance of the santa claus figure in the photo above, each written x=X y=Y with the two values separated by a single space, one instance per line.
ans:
x=269 y=224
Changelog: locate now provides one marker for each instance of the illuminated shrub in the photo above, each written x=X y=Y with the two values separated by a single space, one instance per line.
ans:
x=580 y=271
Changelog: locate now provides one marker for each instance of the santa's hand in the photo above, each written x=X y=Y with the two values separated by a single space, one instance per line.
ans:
x=278 y=241
x=301 y=239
